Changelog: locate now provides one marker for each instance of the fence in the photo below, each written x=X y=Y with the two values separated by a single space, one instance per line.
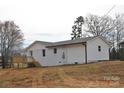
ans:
x=21 y=62
x=21 y=59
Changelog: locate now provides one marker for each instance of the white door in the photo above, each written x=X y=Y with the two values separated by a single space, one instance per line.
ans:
x=64 y=56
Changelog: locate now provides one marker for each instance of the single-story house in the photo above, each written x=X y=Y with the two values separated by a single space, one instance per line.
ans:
x=121 y=44
x=79 y=51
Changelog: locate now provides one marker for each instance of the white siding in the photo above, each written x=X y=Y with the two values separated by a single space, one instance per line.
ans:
x=92 y=50
x=76 y=53
x=37 y=53
x=73 y=53
x=54 y=59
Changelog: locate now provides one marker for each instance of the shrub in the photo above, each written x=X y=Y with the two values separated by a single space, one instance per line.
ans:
x=31 y=64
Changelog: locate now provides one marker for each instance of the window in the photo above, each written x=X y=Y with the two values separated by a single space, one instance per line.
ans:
x=99 y=48
x=43 y=52
x=31 y=53
x=55 y=50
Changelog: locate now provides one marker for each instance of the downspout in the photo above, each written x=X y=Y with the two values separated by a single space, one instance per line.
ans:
x=85 y=44
x=109 y=54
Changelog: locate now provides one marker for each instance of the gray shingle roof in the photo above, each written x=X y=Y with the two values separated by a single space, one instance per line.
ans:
x=43 y=42
x=121 y=42
x=77 y=41
x=68 y=42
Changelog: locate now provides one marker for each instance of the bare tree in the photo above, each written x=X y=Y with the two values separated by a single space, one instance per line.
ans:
x=96 y=25
x=11 y=37
x=119 y=31
x=100 y=26
x=77 y=28
x=119 y=28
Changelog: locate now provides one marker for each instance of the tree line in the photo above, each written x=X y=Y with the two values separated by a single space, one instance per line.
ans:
x=110 y=28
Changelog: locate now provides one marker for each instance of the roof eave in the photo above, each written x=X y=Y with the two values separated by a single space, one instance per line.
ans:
x=35 y=43
x=50 y=46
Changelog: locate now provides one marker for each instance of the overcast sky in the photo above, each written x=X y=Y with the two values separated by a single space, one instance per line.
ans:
x=52 y=20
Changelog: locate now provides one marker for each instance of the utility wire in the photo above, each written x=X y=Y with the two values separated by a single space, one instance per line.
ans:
x=110 y=10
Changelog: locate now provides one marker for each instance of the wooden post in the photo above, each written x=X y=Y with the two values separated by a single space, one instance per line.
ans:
x=18 y=65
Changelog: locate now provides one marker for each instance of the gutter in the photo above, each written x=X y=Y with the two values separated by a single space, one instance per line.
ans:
x=51 y=46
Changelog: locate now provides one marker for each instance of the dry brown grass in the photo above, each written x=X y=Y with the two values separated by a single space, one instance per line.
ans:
x=103 y=74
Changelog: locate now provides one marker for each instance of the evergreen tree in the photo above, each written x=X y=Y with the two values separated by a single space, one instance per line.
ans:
x=77 y=28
